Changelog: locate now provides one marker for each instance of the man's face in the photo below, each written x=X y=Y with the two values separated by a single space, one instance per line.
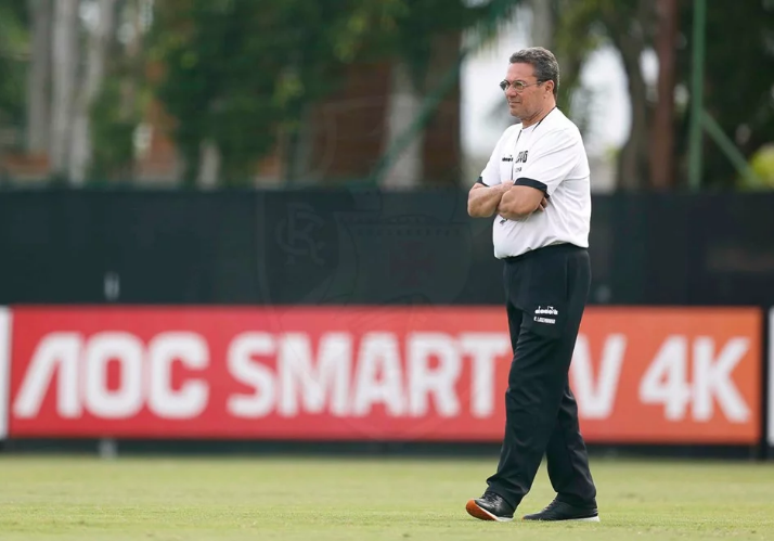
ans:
x=529 y=101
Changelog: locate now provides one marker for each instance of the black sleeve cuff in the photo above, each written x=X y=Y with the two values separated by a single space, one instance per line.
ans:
x=531 y=183
x=481 y=181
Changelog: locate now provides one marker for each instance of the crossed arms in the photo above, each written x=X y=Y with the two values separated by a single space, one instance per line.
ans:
x=513 y=202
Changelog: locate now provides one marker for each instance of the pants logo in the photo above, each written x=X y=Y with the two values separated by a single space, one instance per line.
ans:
x=547 y=311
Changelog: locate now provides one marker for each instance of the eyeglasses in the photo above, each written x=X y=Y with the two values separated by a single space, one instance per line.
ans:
x=518 y=86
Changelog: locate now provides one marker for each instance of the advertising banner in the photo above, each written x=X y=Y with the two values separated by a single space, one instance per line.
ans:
x=5 y=368
x=770 y=385
x=650 y=375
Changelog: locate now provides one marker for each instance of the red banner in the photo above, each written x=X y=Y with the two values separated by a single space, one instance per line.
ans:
x=640 y=375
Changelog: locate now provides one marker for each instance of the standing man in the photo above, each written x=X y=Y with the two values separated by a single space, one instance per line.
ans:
x=536 y=185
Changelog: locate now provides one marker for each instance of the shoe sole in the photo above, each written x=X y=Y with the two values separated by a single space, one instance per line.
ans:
x=482 y=514
x=584 y=519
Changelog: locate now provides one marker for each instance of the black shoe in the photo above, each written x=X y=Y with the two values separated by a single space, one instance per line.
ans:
x=490 y=506
x=557 y=510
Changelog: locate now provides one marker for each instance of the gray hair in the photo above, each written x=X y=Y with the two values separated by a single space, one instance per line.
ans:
x=543 y=63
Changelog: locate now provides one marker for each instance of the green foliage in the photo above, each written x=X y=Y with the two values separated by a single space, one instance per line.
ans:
x=415 y=26
x=14 y=42
x=739 y=63
x=578 y=33
x=762 y=164
x=234 y=71
x=356 y=26
x=112 y=133
x=237 y=72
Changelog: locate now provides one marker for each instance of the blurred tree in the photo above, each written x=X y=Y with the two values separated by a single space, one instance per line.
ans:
x=39 y=76
x=739 y=85
x=100 y=39
x=543 y=23
x=238 y=73
x=762 y=164
x=577 y=34
x=662 y=139
x=738 y=82
x=628 y=25
x=115 y=109
x=65 y=78
x=236 y=70
x=112 y=133
x=424 y=41
x=13 y=50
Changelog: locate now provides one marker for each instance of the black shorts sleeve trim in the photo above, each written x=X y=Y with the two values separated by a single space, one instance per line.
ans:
x=522 y=181
x=481 y=181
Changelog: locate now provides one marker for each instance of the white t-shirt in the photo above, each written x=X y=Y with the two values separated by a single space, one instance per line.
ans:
x=550 y=156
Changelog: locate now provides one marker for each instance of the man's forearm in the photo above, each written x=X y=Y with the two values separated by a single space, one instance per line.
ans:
x=508 y=210
x=482 y=202
x=519 y=202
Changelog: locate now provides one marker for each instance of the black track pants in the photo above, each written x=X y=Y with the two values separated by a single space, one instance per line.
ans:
x=546 y=293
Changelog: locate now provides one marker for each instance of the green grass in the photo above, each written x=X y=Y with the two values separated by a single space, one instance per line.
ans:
x=364 y=499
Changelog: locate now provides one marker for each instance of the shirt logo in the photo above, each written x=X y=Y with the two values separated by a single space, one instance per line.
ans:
x=522 y=157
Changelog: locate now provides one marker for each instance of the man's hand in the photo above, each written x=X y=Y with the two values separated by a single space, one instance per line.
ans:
x=484 y=200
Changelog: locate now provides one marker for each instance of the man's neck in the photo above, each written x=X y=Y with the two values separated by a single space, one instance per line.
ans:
x=537 y=117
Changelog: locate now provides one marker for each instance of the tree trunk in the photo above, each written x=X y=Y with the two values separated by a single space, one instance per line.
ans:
x=133 y=52
x=39 y=78
x=542 y=29
x=99 y=44
x=191 y=158
x=209 y=165
x=403 y=107
x=129 y=86
x=298 y=150
x=662 y=135
x=65 y=76
x=633 y=162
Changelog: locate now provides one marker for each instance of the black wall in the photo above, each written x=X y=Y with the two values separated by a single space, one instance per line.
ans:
x=356 y=247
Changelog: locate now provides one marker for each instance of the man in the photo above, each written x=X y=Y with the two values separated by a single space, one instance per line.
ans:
x=536 y=185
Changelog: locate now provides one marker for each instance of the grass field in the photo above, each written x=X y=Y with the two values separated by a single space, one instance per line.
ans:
x=363 y=499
